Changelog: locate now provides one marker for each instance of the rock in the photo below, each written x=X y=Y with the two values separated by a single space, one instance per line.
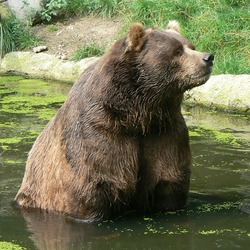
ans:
x=226 y=92
x=39 y=49
x=25 y=10
x=61 y=55
x=5 y=12
x=43 y=65
x=64 y=57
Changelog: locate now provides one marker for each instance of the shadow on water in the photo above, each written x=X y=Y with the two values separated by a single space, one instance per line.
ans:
x=218 y=213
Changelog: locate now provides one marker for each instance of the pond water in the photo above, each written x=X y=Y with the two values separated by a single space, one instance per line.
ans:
x=218 y=213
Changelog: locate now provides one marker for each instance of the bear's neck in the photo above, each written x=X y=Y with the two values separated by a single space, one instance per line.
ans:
x=140 y=116
x=136 y=106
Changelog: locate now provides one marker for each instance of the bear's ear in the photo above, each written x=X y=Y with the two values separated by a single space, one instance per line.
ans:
x=136 y=37
x=174 y=26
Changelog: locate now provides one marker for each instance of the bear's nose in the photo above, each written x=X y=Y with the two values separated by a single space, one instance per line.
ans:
x=208 y=58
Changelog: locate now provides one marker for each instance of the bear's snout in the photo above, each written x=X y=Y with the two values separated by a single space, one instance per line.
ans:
x=209 y=58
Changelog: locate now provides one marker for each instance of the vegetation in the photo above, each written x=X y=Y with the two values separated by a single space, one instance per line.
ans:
x=15 y=35
x=10 y=246
x=52 y=28
x=52 y=8
x=88 y=51
x=106 y=8
x=217 y=26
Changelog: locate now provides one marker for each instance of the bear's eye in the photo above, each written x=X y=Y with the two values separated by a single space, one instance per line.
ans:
x=179 y=51
x=192 y=47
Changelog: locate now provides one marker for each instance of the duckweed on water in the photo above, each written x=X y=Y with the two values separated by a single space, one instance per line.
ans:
x=208 y=207
x=217 y=135
x=155 y=226
x=222 y=231
x=10 y=246
x=21 y=101
x=12 y=140
x=30 y=96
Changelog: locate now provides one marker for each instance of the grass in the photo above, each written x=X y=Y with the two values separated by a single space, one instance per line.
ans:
x=105 y=8
x=88 y=51
x=52 y=28
x=15 y=35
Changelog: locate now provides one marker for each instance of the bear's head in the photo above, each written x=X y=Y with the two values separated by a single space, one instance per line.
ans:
x=143 y=77
x=168 y=59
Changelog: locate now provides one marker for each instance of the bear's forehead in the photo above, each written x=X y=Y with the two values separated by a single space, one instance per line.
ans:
x=170 y=37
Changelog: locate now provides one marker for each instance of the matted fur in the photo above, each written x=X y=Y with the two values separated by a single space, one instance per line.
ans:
x=119 y=141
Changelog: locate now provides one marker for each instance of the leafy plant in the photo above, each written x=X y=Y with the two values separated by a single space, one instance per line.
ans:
x=52 y=8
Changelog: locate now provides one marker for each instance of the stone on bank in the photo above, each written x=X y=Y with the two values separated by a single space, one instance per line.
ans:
x=225 y=92
x=43 y=65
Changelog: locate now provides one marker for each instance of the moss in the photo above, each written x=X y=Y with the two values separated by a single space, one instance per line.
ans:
x=11 y=140
x=26 y=97
x=10 y=246
x=194 y=134
x=217 y=135
x=221 y=231
x=208 y=207
x=29 y=96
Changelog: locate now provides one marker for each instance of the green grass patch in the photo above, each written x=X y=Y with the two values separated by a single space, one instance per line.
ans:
x=105 y=8
x=53 y=28
x=88 y=51
x=217 y=26
x=15 y=35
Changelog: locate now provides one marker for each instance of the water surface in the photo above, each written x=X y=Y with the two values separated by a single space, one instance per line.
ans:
x=218 y=213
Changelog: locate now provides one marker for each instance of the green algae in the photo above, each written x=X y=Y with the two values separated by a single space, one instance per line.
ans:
x=209 y=207
x=11 y=140
x=220 y=136
x=30 y=96
x=222 y=231
x=26 y=106
x=4 y=245
x=162 y=225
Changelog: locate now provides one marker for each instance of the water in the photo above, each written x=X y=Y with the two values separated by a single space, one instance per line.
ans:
x=218 y=213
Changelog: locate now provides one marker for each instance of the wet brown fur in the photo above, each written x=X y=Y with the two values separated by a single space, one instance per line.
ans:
x=120 y=140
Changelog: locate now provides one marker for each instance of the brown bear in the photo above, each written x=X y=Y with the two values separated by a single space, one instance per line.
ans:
x=119 y=141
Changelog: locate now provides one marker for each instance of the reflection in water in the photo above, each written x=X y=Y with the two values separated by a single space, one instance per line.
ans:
x=51 y=231
x=218 y=212
x=205 y=216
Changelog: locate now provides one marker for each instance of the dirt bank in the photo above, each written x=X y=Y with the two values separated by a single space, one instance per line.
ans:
x=66 y=36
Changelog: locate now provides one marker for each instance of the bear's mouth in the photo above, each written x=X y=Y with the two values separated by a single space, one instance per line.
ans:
x=196 y=80
x=202 y=77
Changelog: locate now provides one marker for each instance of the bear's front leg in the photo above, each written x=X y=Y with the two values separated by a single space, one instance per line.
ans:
x=101 y=201
x=105 y=167
x=171 y=195
x=167 y=163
